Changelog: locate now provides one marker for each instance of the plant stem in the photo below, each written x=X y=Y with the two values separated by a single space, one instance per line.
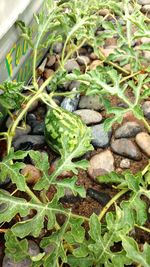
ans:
x=32 y=195
x=111 y=202
x=130 y=76
x=146 y=169
x=146 y=124
x=142 y=228
x=34 y=69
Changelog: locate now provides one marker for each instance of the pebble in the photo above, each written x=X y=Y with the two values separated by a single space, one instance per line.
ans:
x=146 y=8
x=51 y=59
x=71 y=65
x=31 y=119
x=22 y=131
x=126 y=148
x=38 y=128
x=101 y=138
x=33 y=106
x=128 y=129
x=5 y=182
x=48 y=73
x=143 y=141
x=111 y=42
x=101 y=164
x=74 y=85
x=42 y=66
x=143 y=2
x=93 y=56
x=100 y=197
x=109 y=50
x=91 y=102
x=31 y=173
x=83 y=60
x=125 y=164
x=33 y=248
x=35 y=140
x=95 y=64
x=89 y=116
x=146 y=109
x=70 y=104
x=7 y=262
x=57 y=47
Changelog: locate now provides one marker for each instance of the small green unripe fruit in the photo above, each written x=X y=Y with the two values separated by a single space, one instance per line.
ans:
x=65 y=130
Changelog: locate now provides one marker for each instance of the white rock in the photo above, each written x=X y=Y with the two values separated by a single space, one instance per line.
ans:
x=101 y=164
x=89 y=116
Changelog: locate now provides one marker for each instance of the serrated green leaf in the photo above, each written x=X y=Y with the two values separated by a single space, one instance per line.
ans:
x=12 y=169
x=131 y=247
x=10 y=206
x=15 y=249
x=11 y=97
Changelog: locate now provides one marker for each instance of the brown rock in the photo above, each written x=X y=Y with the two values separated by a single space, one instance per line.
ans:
x=89 y=116
x=47 y=73
x=93 y=56
x=143 y=141
x=126 y=148
x=101 y=164
x=109 y=50
x=111 y=42
x=51 y=59
x=95 y=64
x=31 y=173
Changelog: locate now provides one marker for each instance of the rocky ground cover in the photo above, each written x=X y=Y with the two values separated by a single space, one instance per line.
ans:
x=116 y=179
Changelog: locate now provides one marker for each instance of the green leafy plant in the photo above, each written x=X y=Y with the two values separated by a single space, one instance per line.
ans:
x=26 y=210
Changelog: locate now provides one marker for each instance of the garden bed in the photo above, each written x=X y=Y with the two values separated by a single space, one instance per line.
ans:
x=75 y=146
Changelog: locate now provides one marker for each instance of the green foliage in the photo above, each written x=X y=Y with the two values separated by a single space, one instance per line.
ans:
x=11 y=98
x=27 y=211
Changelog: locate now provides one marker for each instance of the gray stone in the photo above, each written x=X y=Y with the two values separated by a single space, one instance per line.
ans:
x=31 y=119
x=33 y=248
x=7 y=262
x=128 y=129
x=101 y=138
x=146 y=109
x=91 y=102
x=71 y=65
x=143 y=2
x=7 y=180
x=36 y=140
x=126 y=148
x=57 y=48
x=70 y=104
x=89 y=116
x=143 y=141
x=83 y=60
x=146 y=8
x=101 y=164
x=38 y=128
x=51 y=59
x=73 y=85
x=22 y=131
x=125 y=164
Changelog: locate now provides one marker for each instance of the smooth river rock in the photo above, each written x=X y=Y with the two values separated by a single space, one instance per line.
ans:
x=101 y=164
x=89 y=116
x=143 y=141
x=90 y=102
x=126 y=148
x=146 y=109
x=35 y=140
x=128 y=129
x=100 y=138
